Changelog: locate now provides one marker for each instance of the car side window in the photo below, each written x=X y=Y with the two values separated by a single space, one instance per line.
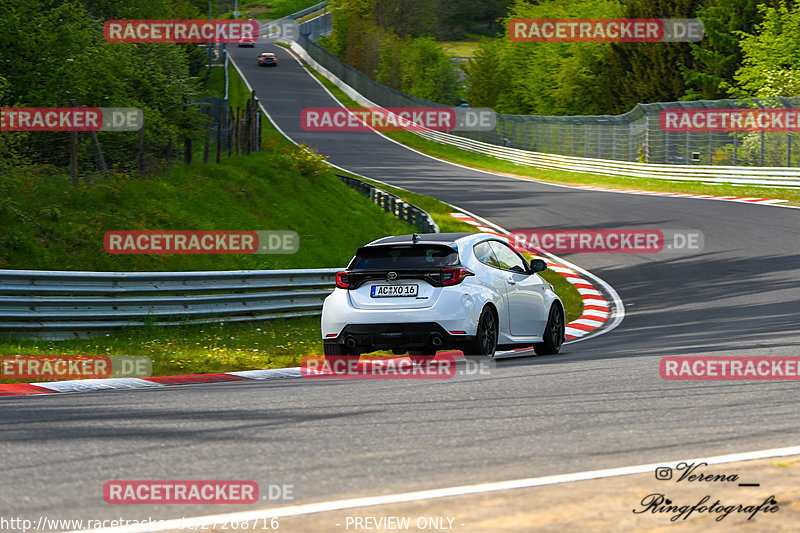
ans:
x=484 y=254
x=507 y=258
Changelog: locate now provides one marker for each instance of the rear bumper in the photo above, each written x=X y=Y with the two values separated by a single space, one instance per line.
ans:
x=414 y=335
x=453 y=311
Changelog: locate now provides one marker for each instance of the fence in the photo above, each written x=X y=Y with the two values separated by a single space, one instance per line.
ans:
x=92 y=156
x=635 y=136
x=394 y=204
x=63 y=304
x=228 y=131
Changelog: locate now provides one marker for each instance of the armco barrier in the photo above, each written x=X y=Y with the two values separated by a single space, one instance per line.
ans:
x=64 y=304
x=609 y=145
x=755 y=176
x=394 y=204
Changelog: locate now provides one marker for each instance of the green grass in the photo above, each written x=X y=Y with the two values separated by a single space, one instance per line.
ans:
x=197 y=349
x=310 y=16
x=462 y=48
x=440 y=212
x=484 y=162
x=215 y=84
x=269 y=9
x=53 y=226
x=58 y=227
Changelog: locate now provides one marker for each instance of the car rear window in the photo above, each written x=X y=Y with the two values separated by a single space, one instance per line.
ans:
x=404 y=256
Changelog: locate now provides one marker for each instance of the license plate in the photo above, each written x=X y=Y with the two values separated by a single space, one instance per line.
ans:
x=391 y=291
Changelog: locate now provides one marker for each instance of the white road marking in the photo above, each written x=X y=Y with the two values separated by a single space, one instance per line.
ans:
x=85 y=385
x=618 y=307
x=370 y=501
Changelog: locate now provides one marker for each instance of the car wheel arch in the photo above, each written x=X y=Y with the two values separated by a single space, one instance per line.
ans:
x=493 y=308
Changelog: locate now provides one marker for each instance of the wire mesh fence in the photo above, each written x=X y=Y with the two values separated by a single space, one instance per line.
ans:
x=219 y=131
x=635 y=136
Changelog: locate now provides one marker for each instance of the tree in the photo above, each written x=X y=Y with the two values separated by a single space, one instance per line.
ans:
x=717 y=57
x=65 y=58
x=545 y=78
x=771 y=55
x=649 y=72
x=428 y=73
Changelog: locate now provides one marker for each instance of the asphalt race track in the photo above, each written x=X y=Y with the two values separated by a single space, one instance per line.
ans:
x=599 y=404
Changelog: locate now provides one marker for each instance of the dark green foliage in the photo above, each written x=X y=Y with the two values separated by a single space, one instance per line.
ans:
x=52 y=52
x=389 y=41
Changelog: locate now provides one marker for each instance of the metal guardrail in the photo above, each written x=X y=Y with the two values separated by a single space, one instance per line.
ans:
x=65 y=304
x=394 y=204
x=352 y=81
x=634 y=137
x=271 y=24
x=316 y=26
x=755 y=176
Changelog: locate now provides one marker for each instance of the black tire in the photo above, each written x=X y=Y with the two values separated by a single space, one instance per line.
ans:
x=553 y=333
x=486 y=337
x=337 y=355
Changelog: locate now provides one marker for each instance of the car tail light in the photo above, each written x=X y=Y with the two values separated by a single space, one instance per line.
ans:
x=454 y=276
x=342 y=280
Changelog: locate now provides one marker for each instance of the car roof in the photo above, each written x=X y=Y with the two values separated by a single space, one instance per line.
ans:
x=432 y=238
x=267 y=54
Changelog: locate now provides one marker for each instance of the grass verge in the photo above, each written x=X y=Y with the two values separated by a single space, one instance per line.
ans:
x=199 y=349
x=440 y=212
x=54 y=227
x=269 y=9
x=498 y=166
x=465 y=47
x=241 y=192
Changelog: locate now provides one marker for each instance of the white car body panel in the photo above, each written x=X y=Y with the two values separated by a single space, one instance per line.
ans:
x=522 y=306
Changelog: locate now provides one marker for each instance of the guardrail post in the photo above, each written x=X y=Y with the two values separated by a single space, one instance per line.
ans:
x=688 y=154
x=710 y=148
x=788 y=148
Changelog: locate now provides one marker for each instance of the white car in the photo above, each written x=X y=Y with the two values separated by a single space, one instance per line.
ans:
x=421 y=293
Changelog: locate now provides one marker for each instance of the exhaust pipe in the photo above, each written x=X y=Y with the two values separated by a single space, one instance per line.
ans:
x=350 y=342
x=436 y=340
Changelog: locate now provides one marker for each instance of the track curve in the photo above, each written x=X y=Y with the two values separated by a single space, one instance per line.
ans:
x=600 y=404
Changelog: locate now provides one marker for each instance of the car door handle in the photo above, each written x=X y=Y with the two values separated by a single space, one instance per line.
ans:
x=511 y=281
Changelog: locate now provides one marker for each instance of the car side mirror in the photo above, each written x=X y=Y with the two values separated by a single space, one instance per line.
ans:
x=537 y=265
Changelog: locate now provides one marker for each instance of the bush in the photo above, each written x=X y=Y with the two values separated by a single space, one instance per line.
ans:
x=428 y=73
x=304 y=160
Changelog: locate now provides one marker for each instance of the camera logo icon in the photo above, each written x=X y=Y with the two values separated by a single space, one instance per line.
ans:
x=663 y=473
